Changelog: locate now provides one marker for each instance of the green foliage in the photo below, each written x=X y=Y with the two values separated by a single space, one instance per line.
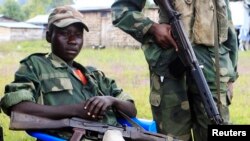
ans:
x=56 y=3
x=13 y=10
x=32 y=8
x=38 y=7
x=42 y=6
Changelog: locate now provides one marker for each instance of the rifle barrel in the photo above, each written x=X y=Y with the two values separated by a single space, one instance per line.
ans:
x=189 y=60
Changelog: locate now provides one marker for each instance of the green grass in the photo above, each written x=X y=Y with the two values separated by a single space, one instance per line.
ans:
x=127 y=66
x=240 y=112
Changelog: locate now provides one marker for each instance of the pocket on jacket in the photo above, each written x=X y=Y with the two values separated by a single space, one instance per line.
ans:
x=186 y=8
x=155 y=92
x=56 y=84
x=226 y=67
x=203 y=28
x=158 y=58
x=167 y=92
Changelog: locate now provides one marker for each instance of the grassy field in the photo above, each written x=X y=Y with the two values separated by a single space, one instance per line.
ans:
x=127 y=66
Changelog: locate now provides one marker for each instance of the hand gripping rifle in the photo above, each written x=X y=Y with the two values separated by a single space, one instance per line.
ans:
x=189 y=60
x=81 y=127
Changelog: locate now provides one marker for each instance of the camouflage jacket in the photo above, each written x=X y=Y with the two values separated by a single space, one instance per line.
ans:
x=48 y=80
x=128 y=15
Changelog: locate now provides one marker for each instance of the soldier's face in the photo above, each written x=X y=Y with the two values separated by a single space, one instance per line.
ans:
x=67 y=42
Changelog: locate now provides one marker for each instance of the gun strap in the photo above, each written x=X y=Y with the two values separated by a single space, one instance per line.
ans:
x=217 y=55
x=1 y=133
x=78 y=133
x=133 y=123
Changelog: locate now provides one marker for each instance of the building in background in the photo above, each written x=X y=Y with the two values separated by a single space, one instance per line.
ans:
x=103 y=33
x=40 y=20
x=17 y=31
x=6 y=19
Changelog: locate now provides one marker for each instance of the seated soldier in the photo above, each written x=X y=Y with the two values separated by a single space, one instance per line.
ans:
x=56 y=87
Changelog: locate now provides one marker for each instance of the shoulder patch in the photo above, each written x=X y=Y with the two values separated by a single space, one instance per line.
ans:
x=92 y=69
x=34 y=54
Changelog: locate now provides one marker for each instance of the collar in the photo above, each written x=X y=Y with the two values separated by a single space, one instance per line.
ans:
x=56 y=61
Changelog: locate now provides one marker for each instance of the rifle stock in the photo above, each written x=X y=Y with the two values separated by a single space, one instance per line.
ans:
x=21 y=121
x=189 y=60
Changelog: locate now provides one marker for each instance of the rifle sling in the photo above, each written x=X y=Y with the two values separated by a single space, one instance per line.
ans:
x=217 y=55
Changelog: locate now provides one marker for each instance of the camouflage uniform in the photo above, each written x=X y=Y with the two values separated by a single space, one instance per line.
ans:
x=48 y=80
x=175 y=102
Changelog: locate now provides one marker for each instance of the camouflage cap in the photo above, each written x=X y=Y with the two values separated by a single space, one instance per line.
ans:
x=65 y=15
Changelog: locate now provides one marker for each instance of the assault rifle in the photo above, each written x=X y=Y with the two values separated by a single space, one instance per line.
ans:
x=81 y=127
x=188 y=59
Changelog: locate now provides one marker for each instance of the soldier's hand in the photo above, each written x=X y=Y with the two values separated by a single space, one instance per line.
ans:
x=98 y=105
x=162 y=35
x=81 y=111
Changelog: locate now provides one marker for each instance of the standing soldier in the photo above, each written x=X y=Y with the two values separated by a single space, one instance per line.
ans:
x=175 y=102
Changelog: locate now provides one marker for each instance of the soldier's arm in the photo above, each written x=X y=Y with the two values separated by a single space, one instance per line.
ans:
x=52 y=112
x=111 y=96
x=23 y=93
x=231 y=43
x=128 y=16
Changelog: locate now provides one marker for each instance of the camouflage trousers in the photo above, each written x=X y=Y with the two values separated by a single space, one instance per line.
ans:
x=176 y=104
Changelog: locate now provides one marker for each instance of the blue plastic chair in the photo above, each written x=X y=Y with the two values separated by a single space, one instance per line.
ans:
x=148 y=125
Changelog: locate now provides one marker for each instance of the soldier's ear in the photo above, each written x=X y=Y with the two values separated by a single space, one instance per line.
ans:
x=48 y=36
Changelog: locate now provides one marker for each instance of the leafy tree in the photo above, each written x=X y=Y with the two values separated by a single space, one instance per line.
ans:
x=36 y=7
x=13 y=10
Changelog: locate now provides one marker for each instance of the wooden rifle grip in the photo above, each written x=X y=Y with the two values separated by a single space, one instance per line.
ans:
x=78 y=133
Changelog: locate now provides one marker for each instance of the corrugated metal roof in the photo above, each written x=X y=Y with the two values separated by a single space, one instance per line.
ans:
x=8 y=18
x=19 y=25
x=39 y=19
